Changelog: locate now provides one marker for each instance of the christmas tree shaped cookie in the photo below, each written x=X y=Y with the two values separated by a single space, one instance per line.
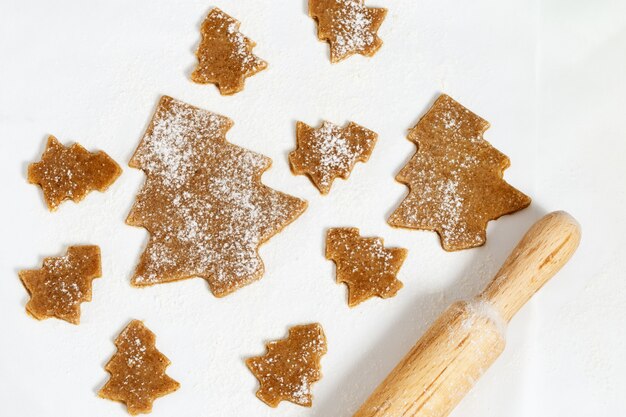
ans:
x=203 y=202
x=330 y=151
x=70 y=173
x=62 y=284
x=137 y=370
x=364 y=264
x=455 y=178
x=348 y=26
x=225 y=55
x=290 y=366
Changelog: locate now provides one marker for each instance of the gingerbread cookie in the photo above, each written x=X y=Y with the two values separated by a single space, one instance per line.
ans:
x=137 y=370
x=364 y=264
x=348 y=26
x=225 y=56
x=62 y=284
x=330 y=151
x=290 y=366
x=70 y=173
x=455 y=178
x=203 y=202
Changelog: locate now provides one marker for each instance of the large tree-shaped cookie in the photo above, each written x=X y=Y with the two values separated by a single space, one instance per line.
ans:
x=203 y=202
x=349 y=26
x=455 y=178
x=62 y=283
x=290 y=366
x=137 y=370
x=225 y=55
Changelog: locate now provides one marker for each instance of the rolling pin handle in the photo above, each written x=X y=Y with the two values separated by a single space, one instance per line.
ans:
x=541 y=253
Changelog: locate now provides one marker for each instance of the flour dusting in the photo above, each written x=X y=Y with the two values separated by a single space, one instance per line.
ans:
x=330 y=151
x=455 y=178
x=203 y=202
x=290 y=366
x=354 y=23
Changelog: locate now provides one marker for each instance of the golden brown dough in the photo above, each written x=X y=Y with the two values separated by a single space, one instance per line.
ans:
x=225 y=56
x=290 y=366
x=348 y=26
x=137 y=370
x=330 y=151
x=364 y=264
x=203 y=202
x=70 y=173
x=455 y=178
x=62 y=284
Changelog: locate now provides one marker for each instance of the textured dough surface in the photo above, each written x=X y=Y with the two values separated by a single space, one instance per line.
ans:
x=62 y=283
x=455 y=178
x=137 y=370
x=348 y=26
x=364 y=264
x=330 y=151
x=70 y=173
x=225 y=55
x=203 y=202
x=290 y=366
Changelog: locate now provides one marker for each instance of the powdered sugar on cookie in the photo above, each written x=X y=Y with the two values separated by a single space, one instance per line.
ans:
x=290 y=366
x=364 y=264
x=455 y=178
x=225 y=55
x=330 y=151
x=203 y=202
x=348 y=25
x=137 y=370
x=62 y=284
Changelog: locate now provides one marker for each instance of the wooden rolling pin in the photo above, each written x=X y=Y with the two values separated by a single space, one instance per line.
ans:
x=468 y=337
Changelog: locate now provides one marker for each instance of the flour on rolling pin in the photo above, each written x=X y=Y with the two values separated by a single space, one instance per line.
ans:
x=482 y=309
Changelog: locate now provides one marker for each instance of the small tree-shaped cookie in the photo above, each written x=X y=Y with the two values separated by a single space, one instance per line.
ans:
x=290 y=366
x=330 y=151
x=137 y=370
x=455 y=178
x=364 y=264
x=62 y=284
x=349 y=26
x=70 y=173
x=225 y=55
